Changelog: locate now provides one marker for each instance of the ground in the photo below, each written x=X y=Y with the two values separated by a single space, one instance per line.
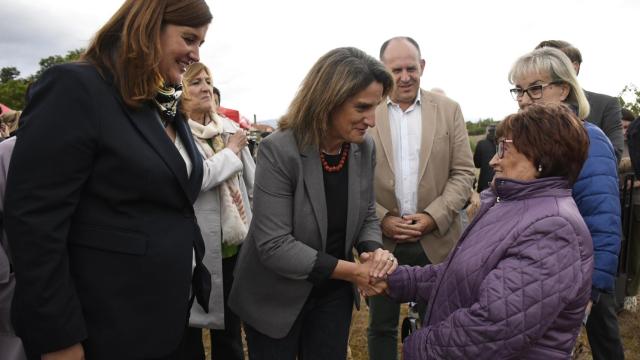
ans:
x=629 y=329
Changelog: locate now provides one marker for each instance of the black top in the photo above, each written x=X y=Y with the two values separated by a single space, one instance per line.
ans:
x=336 y=192
x=485 y=149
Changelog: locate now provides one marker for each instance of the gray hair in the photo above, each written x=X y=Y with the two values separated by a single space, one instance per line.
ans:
x=556 y=64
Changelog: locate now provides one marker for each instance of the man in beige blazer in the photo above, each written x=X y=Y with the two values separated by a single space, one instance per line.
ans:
x=423 y=177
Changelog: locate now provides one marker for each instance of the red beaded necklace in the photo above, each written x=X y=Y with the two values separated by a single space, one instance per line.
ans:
x=331 y=169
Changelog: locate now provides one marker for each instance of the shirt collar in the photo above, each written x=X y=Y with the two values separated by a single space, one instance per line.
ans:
x=417 y=101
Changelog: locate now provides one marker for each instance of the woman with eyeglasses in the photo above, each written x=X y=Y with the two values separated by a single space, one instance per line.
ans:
x=546 y=76
x=517 y=284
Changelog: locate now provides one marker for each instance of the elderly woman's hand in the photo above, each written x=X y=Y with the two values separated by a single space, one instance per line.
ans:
x=237 y=141
x=474 y=205
x=367 y=285
x=382 y=263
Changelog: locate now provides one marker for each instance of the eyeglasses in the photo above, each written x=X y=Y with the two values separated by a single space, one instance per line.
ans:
x=500 y=147
x=534 y=91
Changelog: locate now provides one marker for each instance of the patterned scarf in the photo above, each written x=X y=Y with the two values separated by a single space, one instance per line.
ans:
x=167 y=102
x=233 y=218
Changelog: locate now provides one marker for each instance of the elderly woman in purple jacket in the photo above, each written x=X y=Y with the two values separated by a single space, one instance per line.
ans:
x=517 y=284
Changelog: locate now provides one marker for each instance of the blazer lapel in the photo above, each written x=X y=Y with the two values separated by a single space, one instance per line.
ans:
x=353 y=202
x=384 y=133
x=195 y=179
x=314 y=184
x=429 y=111
x=146 y=121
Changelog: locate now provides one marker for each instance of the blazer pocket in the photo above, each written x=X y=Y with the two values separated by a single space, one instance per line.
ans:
x=109 y=239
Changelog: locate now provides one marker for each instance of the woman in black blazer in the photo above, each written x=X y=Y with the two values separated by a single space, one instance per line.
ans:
x=99 y=195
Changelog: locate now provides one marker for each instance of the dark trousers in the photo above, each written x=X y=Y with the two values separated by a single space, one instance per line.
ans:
x=190 y=347
x=321 y=331
x=602 y=330
x=384 y=313
x=226 y=344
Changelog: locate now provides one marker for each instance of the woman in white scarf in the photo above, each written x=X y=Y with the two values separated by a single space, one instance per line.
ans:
x=222 y=208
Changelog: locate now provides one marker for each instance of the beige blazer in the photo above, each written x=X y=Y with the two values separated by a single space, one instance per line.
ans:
x=446 y=171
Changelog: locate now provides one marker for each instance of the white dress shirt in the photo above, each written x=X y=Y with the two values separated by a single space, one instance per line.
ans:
x=185 y=155
x=406 y=136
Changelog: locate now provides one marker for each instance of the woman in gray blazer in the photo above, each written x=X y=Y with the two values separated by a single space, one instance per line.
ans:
x=313 y=203
x=223 y=210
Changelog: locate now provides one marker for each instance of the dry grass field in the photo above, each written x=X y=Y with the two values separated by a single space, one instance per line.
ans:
x=629 y=328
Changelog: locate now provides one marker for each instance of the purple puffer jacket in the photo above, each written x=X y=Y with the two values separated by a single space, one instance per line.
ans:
x=515 y=287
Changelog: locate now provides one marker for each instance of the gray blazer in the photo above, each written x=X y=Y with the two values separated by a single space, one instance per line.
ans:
x=605 y=114
x=289 y=228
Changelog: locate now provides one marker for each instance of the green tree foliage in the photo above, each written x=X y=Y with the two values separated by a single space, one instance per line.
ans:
x=12 y=93
x=629 y=98
x=73 y=55
x=8 y=74
x=480 y=127
x=13 y=88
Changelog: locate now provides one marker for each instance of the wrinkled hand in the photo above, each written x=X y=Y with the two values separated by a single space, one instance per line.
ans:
x=74 y=352
x=474 y=205
x=237 y=141
x=398 y=229
x=383 y=263
x=411 y=227
x=368 y=286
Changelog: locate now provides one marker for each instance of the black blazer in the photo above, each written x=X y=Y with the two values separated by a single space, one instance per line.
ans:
x=100 y=219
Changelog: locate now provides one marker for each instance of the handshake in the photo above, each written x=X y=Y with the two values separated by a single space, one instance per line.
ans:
x=372 y=271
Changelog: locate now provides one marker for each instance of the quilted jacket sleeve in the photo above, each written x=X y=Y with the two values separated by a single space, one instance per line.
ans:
x=517 y=301
x=413 y=283
x=597 y=196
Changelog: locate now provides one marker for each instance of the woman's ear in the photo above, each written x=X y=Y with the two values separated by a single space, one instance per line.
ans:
x=566 y=89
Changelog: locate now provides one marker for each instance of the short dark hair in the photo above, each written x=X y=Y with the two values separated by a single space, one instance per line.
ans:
x=383 y=48
x=571 y=51
x=551 y=136
x=627 y=114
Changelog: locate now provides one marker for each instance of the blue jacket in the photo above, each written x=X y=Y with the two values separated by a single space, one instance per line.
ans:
x=597 y=196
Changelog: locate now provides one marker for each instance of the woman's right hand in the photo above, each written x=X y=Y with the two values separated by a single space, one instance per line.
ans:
x=237 y=141
x=358 y=274
x=367 y=285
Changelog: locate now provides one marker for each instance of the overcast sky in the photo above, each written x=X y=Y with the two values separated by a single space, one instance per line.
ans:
x=259 y=51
